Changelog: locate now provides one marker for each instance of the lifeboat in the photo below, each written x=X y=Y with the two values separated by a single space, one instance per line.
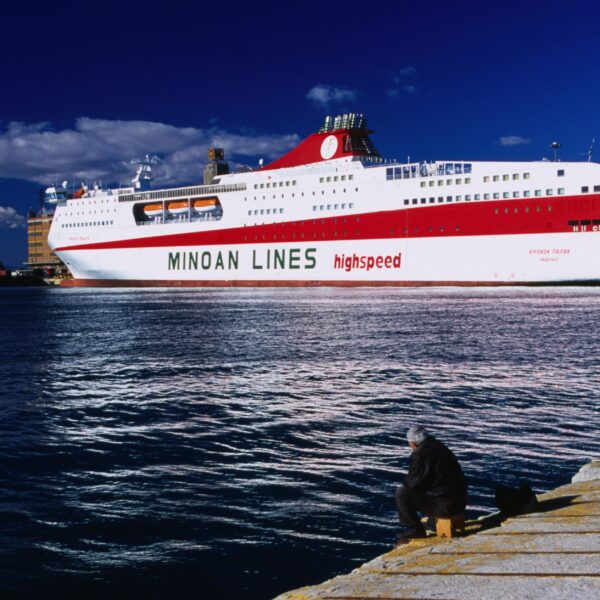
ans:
x=153 y=210
x=177 y=208
x=205 y=205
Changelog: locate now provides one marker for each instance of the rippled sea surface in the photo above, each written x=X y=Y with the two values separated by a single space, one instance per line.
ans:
x=240 y=443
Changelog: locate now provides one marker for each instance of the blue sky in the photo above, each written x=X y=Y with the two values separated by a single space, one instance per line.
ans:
x=87 y=86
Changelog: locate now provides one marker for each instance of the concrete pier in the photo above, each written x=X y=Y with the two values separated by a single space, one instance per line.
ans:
x=552 y=553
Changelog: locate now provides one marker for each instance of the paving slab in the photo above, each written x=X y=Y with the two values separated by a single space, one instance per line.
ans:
x=463 y=587
x=534 y=543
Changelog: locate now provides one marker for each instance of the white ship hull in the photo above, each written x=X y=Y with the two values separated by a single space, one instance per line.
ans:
x=509 y=260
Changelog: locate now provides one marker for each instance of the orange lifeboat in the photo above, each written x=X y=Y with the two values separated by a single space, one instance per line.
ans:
x=153 y=210
x=177 y=208
x=205 y=205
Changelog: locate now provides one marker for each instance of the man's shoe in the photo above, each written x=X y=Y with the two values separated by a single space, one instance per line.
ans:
x=405 y=536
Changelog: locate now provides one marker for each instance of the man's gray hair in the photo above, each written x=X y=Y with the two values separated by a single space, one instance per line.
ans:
x=416 y=434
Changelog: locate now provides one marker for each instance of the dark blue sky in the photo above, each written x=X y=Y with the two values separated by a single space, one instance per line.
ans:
x=87 y=85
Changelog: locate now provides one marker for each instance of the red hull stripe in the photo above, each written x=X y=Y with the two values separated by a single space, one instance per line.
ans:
x=228 y=283
x=498 y=217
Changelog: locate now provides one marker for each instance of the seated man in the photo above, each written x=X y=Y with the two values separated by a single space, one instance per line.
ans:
x=435 y=484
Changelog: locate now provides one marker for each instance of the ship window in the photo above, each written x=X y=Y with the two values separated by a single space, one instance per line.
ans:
x=505 y=195
x=585 y=189
x=281 y=184
x=431 y=183
x=495 y=211
x=486 y=178
x=294 y=182
x=440 y=199
x=423 y=183
x=549 y=192
x=467 y=197
x=389 y=174
x=572 y=223
x=496 y=177
x=458 y=198
x=525 y=175
x=458 y=181
x=314 y=207
x=397 y=173
x=561 y=172
x=477 y=196
x=335 y=206
x=329 y=207
x=423 y=200
x=538 y=192
x=350 y=177
x=406 y=201
x=496 y=196
x=505 y=178
x=515 y=176
x=561 y=191
x=287 y=183
x=467 y=180
x=448 y=198
x=321 y=207
x=431 y=200
x=597 y=188
x=448 y=181
x=414 y=201
x=526 y=194
x=343 y=178
x=336 y=178
x=280 y=210
x=328 y=179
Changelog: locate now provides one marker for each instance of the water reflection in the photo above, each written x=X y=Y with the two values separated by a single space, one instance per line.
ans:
x=236 y=434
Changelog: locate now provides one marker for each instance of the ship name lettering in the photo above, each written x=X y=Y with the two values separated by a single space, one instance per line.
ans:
x=357 y=261
x=292 y=258
x=191 y=261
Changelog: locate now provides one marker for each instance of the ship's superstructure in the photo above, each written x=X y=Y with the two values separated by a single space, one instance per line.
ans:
x=333 y=212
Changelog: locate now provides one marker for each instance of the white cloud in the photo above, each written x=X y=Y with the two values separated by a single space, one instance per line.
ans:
x=10 y=218
x=513 y=140
x=325 y=95
x=399 y=88
x=406 y=71
x=101 y=149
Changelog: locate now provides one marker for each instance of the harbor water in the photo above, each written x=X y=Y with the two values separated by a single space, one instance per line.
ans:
x=240 y=443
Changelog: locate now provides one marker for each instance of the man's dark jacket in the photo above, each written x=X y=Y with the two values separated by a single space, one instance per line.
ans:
x=435 y=471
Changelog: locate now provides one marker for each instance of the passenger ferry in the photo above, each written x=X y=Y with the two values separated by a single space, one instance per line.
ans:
x=333 y=212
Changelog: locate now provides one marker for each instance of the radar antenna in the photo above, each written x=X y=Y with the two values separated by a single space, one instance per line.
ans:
x=591 y=150
x=143 y=174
